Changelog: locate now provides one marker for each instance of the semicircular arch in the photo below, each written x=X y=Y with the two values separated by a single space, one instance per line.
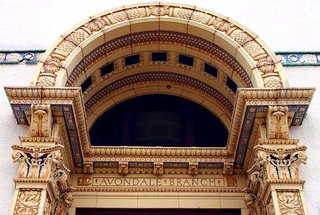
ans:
x=159 y=83
x=237 y=40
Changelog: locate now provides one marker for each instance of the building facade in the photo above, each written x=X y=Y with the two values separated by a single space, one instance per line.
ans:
x=162 y=106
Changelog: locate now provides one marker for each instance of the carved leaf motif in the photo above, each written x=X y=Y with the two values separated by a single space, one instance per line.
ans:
x=221 y=25
x=272 y=82
x=35 y=164
x=136 y=13
x=254 y=49
x=28 y=202
x=266 y=65
x=240 y=36
x=290 y=203
x=201 y=17
x=182 y=13
x=159 y=10
x=51 y=65
x=65 y=48
x=78 y=36
x=95 y=25
x=118 y=17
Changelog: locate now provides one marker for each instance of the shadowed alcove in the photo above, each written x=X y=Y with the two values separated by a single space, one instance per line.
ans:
x=158 y=120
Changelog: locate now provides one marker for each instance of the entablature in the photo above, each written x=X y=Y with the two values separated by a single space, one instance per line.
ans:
x=250 y=109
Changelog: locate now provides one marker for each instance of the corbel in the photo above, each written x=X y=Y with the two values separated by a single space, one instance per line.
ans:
x=123 y=168
x=41 y=121
x=158 y=168
x=193 y=169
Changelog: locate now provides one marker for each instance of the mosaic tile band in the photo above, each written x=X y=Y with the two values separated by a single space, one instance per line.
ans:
x=293 y=58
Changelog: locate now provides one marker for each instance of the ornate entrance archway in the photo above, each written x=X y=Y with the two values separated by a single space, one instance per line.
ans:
x=166 y=49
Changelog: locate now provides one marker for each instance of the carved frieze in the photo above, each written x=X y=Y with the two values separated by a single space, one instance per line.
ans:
x=28 y=201
x=290 y=203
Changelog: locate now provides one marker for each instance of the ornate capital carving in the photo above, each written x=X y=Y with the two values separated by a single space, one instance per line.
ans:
x=277 y=122
x=41 y=121
x=274 y=166
x=36 y=162
x=35 y=165
x=281 y=163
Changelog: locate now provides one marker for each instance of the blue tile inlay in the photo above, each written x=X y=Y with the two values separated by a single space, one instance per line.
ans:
x=294 y=58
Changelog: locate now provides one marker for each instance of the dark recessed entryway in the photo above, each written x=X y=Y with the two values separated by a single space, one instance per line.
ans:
x=95 y=211
x=158 y=120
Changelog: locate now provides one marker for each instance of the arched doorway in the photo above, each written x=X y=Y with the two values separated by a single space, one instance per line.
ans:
x=117 y=74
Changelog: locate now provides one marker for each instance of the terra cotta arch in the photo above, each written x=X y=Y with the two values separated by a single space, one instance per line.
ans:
x=255 y=57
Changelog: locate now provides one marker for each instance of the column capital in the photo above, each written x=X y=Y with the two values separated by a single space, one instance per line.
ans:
x=43 y=183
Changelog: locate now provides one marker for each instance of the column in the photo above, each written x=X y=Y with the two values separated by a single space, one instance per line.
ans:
x=42 y=185
x=274 y=185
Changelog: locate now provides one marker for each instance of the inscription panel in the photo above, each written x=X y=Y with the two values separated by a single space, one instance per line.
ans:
x=153 y=183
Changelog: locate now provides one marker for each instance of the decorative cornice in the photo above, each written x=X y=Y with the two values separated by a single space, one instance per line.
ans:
x=289 y=95
x=39 y=150
x=278 y=141
x=32 y=180
x=40 y=139
x=156 y=189
x=65 y=102
x=250 y=102
x=281 y=181
x=68 y=102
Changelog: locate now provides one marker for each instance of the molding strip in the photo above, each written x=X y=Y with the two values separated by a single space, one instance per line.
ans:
x=288 y=58
x=20 y=56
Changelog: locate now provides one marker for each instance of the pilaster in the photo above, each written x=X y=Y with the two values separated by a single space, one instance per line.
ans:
x=42 y=185
x=274 y=185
